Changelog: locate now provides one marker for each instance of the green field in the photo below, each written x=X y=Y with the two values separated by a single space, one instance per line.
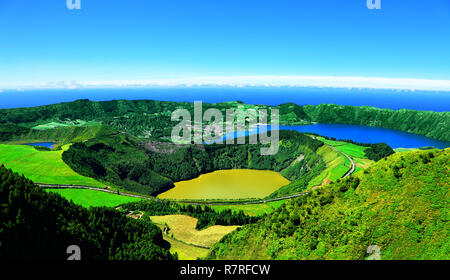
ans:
x=182 y=228
x=337 y=164
x=400 y=150
x=185 y=251
x=350 y=149
x=44 y=167
x=356 y=152
x=57 y=124
x=335 y=167
x=93 y=198
x=228 y=184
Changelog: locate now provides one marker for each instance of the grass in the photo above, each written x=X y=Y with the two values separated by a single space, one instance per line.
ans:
x=52 y=125
x=182 y=228
x=251 y=209
x=88 y=198
x=335 y=167
x=350 y=149
x=45 y=167
x=337 y=164
x=185 y=251
x=400 y=150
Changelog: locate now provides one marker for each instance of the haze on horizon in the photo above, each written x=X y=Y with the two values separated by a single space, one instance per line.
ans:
x=323 y=43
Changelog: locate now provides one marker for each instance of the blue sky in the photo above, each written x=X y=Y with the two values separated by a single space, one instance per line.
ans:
x=43 y=41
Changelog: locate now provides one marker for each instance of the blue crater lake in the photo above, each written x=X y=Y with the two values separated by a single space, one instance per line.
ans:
x=361 y=134
x=368 y=134
x=42 y=144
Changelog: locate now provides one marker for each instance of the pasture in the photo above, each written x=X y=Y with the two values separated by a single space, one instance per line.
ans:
x=93 y=198
x=182 y=228
x=350 y=149
x=45 y=167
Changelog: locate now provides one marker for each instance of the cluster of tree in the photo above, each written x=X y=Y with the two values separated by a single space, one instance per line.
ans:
x=378 y=151
x=125 y=161
x=206 y=215
x=40 y=225
x=336 y=223
x=9 y=131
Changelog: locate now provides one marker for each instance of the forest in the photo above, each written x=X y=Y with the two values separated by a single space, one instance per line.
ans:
x=36 y=224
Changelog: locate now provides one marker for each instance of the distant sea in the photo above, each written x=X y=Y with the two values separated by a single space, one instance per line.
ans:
x=392 y=99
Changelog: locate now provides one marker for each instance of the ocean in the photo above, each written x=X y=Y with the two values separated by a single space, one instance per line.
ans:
x=391 y=99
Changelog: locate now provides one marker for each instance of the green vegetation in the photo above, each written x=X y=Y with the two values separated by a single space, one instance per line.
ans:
x=88 y=198
x=378 y=151
x=151 y=119
x=431 y=124
x=41 y=225
x=354 y=149
x=206 y=215
x=336 y=166
x=250 y=209
x=185 y=251
x=14 y=134
x=152 y=168
x=183 y=228
x=400 y=204
x=400 y=150
x=44 y=167
x=52 y=125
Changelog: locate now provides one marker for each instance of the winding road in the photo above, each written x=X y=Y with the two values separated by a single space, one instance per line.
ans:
x=352 y=167
x=262 y=201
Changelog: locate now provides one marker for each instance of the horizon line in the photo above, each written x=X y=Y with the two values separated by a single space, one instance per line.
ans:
x=266 y=81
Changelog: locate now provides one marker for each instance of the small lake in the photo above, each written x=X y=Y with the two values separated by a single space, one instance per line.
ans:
x=228 y=184
x=42 y=144
x=357 y=133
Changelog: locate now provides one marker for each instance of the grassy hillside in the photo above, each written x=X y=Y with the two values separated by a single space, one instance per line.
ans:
x=250 y=209
x=336 y=166
x=14 y=134
x=44 y=167
x=185 y=251
x=400 y=204
x=88 y=198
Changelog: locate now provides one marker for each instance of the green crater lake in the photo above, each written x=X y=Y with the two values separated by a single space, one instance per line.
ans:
x=228 y=184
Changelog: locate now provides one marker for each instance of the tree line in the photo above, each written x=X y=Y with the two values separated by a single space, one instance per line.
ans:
x=40 y=225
